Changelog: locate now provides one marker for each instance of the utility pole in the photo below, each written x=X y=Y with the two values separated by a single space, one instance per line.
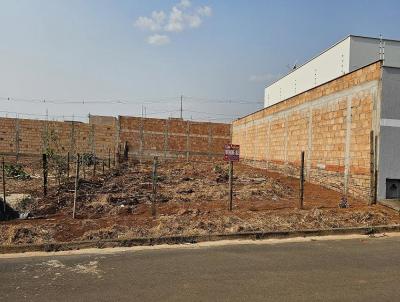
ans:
x=181 y=106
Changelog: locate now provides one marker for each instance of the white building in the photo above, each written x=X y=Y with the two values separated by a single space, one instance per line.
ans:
x=347 y=55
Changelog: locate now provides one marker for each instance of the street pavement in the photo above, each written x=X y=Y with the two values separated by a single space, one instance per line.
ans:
x=362 y=269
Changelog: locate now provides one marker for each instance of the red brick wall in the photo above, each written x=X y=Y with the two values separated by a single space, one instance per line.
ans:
x=145 y=137
x=331 y=123
x=173 y=138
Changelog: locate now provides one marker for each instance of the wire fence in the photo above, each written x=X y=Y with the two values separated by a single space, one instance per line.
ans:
x=68 y=181
x=38 y=175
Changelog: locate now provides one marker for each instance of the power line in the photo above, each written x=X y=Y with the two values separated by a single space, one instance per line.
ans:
x=126 y=102
x=166 y=100
x=212 y=113
x=84 y=102
x=224 y=101
x=22 y=115
x=162 y=112
x=17 y=114
x=42 y=115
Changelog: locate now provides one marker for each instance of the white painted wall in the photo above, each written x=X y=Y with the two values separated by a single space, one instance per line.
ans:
x=364 y=51
x=331 y=64
x=346 y=56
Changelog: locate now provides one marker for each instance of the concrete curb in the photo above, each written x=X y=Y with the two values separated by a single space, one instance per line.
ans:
x=76 y=245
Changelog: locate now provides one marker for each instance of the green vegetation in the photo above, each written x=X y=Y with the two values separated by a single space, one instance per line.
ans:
x=16 y=171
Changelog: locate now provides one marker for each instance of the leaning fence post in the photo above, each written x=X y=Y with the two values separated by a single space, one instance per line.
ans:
x=76 y=185
x=45 y=174
x=154 y=197
x=4 y=187
x=301 y=198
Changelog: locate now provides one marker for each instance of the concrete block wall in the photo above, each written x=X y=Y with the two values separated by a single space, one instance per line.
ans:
x=146 y=137
x=330 y=123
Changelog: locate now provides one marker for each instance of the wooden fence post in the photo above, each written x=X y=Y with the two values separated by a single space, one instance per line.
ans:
x=126 y=151
x=154 y=197
x=94 y=166
x=230 y=185
x=76 y=185
x=372 y=168
x=301 y=199
x=4 y=187
x=116 y=159
x=103 y=166
x=45 y=173
x=68 y=160
x=376 y=171
x=83 y=166
x=109 y=159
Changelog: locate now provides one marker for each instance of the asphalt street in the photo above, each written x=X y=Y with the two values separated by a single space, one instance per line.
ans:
x=363 y=269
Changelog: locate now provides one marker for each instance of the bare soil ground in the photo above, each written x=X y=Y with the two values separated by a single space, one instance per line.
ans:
x=191 y=199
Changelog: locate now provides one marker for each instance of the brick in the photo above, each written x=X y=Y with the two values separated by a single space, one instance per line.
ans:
x=288 y=136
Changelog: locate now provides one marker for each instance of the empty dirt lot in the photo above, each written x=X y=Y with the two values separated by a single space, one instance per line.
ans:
x=191 y=199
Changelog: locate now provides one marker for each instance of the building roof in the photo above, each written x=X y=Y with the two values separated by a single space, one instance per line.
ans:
x=316 y=56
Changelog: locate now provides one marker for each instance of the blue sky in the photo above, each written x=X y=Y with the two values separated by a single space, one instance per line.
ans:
x=98 y=51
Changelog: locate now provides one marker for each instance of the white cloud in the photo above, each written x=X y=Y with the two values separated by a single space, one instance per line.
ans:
x=205 y=11
x=147 y=23
x=158 y=39
x=193 y=21
x=158 y=17
x=179 y=18
x=153 y=24
x=264 y=78
x=184 y=4
x=176 y=21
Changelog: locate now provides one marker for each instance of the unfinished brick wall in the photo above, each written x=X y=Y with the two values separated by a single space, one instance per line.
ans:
x=25 y=137
x=331 y=123
x=146 y=137
x=173 y=138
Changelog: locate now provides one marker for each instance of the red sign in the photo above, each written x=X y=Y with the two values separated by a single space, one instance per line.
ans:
x=232 y=152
